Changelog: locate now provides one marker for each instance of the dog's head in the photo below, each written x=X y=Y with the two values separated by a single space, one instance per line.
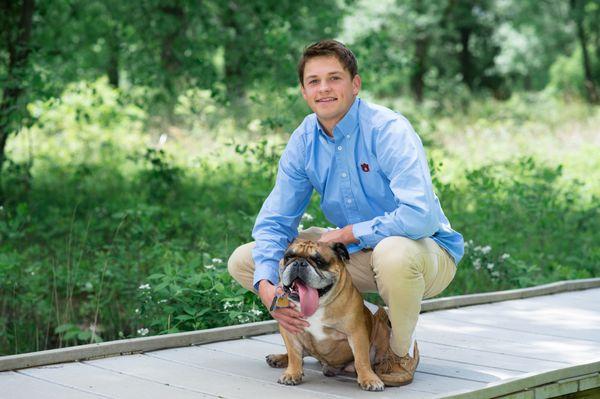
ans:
x=309 y=270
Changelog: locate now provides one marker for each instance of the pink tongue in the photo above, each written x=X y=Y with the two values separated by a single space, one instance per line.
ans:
x=309 y=298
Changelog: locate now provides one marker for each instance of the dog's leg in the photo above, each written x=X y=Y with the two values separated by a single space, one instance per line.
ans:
x=293 y=373
x=277 y=361
x=367 y=379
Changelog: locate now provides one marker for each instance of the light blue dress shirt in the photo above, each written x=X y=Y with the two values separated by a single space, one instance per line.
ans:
x=372 y=174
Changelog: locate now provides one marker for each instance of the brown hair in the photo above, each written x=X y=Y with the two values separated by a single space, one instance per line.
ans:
x=328 y=48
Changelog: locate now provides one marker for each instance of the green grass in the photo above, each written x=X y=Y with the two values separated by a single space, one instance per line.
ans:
x=103 y=236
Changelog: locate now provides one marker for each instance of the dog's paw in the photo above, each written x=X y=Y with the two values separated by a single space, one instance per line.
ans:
x=371 y=383
x=290 y=378
x=277 y=361
x=329 y=371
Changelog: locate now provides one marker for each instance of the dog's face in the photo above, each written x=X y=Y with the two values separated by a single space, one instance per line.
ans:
x=309 y=270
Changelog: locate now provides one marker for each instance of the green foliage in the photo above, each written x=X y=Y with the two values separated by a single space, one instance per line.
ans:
x=190 y=296
x=105 y=234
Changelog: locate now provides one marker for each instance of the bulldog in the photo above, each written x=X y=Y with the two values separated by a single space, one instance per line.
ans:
x=343 y=334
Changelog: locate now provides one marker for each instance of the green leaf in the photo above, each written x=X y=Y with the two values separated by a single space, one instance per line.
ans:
x=64 y=327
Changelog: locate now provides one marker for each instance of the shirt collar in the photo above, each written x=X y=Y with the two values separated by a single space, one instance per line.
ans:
x=346 y=125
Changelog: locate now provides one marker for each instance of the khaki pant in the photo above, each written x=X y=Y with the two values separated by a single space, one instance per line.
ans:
x=401 y=270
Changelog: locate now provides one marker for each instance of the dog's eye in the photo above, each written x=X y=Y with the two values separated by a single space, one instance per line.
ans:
x=320 y=264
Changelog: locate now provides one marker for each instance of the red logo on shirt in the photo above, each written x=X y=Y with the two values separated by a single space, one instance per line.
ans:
x=364 y=167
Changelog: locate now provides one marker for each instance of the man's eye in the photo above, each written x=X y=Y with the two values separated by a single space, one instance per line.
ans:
x=335 y=78
x=312 y=82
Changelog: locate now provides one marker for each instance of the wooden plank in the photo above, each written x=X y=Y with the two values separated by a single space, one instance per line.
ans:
x=498 y=296
x=19 y=386
x=137 y=345
x=468 y=356
x=134 y=345
x=444 y=325
x=527 y=381
x=523 y=346
x=555 y=389
x=590 y=382
x=579 y=324
x=108 y=383
x=257 y=369
x=198 y=379
x=519 y=395
x=258 y=350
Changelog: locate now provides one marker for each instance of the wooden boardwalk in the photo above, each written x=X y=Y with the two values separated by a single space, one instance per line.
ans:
x=538 y=347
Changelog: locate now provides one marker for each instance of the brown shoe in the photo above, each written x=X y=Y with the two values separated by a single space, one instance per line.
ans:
x=395 y=370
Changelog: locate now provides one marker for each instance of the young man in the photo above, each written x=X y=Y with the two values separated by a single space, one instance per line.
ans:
x=369 y=167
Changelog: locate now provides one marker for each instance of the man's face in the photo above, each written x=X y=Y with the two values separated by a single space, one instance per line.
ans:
x=328 y=88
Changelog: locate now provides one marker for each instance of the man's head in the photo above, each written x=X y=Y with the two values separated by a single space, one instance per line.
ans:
x=329 y=79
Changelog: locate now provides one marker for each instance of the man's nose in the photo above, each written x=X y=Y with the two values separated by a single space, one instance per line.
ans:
x=324 y=86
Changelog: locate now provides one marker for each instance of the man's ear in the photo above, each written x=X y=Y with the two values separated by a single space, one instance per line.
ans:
x=356 y=84
x=341 y=251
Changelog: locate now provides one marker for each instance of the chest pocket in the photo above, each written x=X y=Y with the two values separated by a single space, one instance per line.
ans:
x=374 y=181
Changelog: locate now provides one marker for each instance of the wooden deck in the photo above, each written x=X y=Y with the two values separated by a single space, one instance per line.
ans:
x=538 y=347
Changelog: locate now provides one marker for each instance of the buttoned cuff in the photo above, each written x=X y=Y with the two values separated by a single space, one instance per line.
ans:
x=266 y=271
x=363 y=232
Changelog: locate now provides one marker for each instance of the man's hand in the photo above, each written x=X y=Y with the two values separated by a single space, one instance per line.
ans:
x=289 y=318
x=345 y=236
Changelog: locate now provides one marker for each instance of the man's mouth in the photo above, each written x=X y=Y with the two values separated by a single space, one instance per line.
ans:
x=327 y=100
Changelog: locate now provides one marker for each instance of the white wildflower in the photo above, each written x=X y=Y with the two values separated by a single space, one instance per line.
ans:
x=477 y=248
x=227 y=305
x=495 y=273
x=300 y=226
x=137 y=311
x=209 y=267
x=88 y=286
x=143 y=331
x=162 y=301
x=477 y=264
x=144 y=287
x=307 y=217
x=256 y=312
x=504 y=256
x=217 y=261
x=486 y=250
x=490 y=266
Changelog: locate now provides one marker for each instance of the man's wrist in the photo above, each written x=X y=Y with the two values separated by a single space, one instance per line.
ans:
x=349 y=235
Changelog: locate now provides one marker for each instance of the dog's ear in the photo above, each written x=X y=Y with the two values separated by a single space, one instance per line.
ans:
x=341 y=251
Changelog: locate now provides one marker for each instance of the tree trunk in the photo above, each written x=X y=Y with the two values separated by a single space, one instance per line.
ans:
x=18 y=53
x=112 y=67
x=170 y=61
x=234 y=68
x=590 y=86
x=417 y=82
x=466 y=64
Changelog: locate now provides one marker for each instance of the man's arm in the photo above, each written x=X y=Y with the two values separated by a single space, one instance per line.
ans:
x=401 y=157
x=277 y=223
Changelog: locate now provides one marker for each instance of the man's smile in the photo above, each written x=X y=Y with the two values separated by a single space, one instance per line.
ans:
x=326 y=100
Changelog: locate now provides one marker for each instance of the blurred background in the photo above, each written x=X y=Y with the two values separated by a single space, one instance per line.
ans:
x=138 y=141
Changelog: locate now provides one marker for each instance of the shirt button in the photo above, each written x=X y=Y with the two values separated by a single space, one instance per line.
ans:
x=349 y=201
x=340 y=148
x=344 y=174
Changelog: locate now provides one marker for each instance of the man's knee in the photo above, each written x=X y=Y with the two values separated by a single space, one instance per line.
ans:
x=240 y=261
x=397 y=256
